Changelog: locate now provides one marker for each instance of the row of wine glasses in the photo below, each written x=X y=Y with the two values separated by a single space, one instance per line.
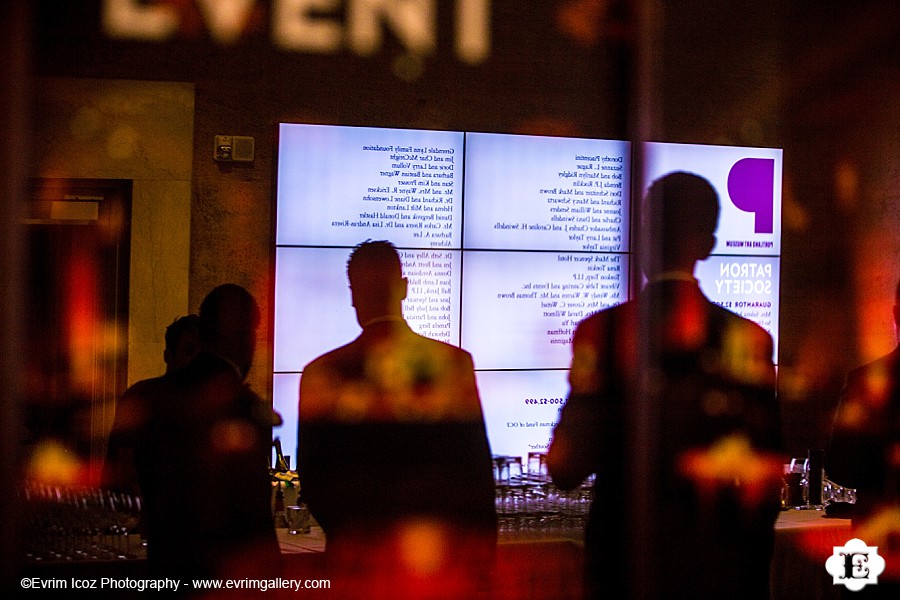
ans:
x=528 y=501
x=80 y=523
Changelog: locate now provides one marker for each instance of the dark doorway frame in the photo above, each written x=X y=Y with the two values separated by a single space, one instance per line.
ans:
x=77 y=253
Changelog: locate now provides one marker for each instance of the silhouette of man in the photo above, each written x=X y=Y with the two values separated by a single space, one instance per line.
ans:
x=708 y=377
x=394 y=460
x=864 y=453
x=201 y=439
x=182 y=343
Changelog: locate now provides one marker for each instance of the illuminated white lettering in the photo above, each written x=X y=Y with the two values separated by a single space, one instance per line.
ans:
x=312 y=26
x=293 y=27
x=411 y=20
x=138 y=20
x=473 y=30
x=226 y=19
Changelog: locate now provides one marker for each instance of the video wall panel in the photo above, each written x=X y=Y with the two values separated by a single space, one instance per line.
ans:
x=508 y=241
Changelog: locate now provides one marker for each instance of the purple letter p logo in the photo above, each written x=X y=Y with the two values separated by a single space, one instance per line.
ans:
x=750 y=184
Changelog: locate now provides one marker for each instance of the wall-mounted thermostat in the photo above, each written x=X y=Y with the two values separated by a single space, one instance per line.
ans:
x=234 y=148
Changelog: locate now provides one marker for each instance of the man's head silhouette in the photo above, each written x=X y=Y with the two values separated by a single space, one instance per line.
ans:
x=229 y=317
x=377 y=284
x=680 y=217
x=182 y=341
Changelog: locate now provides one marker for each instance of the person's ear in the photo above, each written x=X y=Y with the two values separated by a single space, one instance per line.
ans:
x=404 y=288
x=167 y=356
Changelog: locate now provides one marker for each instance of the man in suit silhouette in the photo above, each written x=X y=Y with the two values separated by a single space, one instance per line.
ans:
x=864 y=454
x=703 y=381
x=200 y=441
x=394 y=460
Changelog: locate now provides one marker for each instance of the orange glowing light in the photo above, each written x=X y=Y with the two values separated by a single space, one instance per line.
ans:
x=882 y=529
x=53 y=463
x=232 y=435
x=732 y=463
x=80 y=301
x=422 y=547
x=583 y=20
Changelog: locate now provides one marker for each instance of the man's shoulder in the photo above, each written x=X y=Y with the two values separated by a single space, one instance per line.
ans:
x=745 y=349
x=733 y=320
x=353 y=352
x=441 y=348
x=593 y=342
x=138 y=404
x=592 y=325
x=881 y=363
x=869 y=391
x=883 y=368
x=147 y=387
x=334 y=357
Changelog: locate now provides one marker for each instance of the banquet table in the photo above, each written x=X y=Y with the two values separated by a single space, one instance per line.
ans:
x=804 y=539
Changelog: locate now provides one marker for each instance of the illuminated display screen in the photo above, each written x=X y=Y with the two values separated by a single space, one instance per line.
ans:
x=742 y=274
x=508 y=241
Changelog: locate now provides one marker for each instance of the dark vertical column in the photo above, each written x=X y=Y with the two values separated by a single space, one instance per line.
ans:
x=643 y=121
x=14 y=165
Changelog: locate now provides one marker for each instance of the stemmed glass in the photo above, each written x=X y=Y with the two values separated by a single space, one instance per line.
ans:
x=78 y=523
x=123 y=516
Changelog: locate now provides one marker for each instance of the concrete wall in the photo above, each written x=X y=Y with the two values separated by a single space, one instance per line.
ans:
x=143 y=131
